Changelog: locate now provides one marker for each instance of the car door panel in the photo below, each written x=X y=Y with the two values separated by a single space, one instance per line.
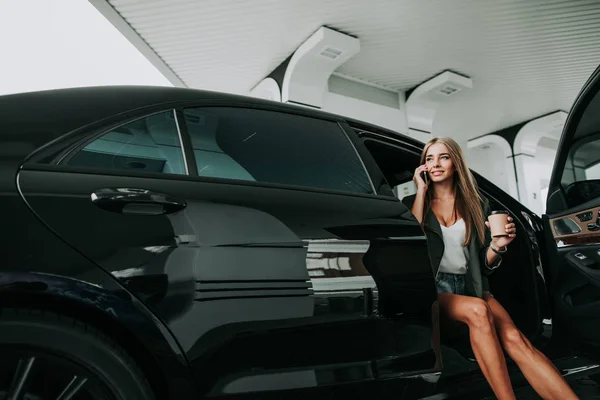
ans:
x=577 y=271
x=577 y=297
x=579 y=227
x=587 y=262
x=215 y=272
x=572 y=224
x=263 y=286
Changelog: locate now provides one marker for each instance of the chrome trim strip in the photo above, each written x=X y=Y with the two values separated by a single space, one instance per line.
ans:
x=579 y=370
x=185 y=161
x=561 y=245
x=407 y=238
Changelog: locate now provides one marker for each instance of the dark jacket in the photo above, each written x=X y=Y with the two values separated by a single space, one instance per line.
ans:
x=478 y=270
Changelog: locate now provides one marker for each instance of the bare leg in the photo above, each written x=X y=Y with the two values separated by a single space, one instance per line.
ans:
x=476 y=314
x=539 y=371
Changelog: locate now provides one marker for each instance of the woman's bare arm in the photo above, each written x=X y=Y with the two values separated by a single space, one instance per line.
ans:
x=419 y=204
x=417 y=208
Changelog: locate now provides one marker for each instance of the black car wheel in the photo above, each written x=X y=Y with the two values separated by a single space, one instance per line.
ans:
x=44 y=355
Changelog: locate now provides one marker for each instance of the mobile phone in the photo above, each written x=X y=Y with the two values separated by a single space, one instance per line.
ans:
x=425 y=177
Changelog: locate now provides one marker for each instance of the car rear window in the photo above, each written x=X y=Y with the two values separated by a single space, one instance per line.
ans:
x=273 y=147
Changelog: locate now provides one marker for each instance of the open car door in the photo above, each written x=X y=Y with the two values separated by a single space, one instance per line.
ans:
x=572 y=225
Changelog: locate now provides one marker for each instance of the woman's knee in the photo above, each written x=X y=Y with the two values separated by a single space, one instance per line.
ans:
x=514 y=342
x=479 y=315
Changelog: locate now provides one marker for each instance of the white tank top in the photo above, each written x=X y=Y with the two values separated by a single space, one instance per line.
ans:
x=456 y=256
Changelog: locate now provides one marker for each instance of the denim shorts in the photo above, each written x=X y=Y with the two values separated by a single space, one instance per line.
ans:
x=450 y=283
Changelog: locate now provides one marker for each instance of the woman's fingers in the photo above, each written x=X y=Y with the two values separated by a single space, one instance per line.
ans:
x=418 y=177
x=420 y=169
x=511 y=228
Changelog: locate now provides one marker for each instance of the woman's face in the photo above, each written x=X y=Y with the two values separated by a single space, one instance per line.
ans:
x=438 y=162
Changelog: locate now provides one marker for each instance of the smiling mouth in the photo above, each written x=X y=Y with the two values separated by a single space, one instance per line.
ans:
x=436 y=173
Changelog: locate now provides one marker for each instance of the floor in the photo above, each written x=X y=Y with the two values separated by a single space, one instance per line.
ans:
x=585 y=388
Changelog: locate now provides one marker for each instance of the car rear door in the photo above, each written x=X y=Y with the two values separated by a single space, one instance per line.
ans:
x=259 y=238
x=572 y=224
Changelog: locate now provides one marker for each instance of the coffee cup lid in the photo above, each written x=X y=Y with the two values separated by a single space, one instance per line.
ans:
x=499 y=212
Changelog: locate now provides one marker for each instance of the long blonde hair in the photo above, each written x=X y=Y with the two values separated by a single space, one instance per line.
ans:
x=467 y=200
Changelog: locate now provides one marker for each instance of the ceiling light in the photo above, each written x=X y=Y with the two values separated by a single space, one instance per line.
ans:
x=449 y=90
x=331 y=53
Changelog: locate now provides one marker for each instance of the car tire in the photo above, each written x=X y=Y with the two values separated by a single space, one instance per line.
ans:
x=58 y=347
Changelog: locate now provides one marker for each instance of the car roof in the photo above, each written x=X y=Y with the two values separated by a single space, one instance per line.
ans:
x=33 y=119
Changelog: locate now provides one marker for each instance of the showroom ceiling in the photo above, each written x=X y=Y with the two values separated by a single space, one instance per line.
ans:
x=526 y=57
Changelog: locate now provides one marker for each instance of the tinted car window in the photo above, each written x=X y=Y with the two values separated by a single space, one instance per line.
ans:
x=581 y=173
x=272 y=147
x=149 y=144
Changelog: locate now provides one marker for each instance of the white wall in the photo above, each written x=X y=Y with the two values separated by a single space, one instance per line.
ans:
x=530 y=183
x=386 y=117
x=53 y=44
x=366 y=103
x=351 y=99
x=593 y=172
x=491 y=163
x=534 y=171
x=535 y=149
x=491 y=156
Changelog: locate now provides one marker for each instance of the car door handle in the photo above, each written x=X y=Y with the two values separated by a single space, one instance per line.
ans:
x=136 y=201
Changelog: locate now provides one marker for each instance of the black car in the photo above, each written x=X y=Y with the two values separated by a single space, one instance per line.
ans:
x=179 y=244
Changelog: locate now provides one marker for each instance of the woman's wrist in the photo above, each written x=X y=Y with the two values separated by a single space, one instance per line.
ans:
x=496 y=249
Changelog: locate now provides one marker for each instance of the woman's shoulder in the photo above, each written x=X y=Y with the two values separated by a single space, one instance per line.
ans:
x=485 y=204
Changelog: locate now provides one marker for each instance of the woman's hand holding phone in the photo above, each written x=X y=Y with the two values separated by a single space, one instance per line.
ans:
x=420 y=178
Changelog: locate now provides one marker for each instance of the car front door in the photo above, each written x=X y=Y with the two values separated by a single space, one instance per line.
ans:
x=257 y=236
x=572 y=224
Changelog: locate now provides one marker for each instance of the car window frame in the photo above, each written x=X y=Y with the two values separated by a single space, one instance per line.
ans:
x=343 y=131
x=565 y=188
x=49 y=156
x=74 y=150
x=394 y=142
x=556 y=201
x=575 y=147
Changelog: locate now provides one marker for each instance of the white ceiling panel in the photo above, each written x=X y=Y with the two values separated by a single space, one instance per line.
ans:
x=526 y=57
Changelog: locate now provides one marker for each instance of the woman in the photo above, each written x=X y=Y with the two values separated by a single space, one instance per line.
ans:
x=452 y=212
